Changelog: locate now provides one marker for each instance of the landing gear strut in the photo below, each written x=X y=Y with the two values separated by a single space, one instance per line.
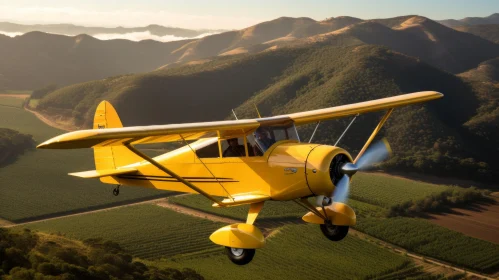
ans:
x=116 y=191
x=240 y=256
x=332 y=232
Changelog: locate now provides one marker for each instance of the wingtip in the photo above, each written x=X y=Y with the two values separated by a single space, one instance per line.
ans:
x=43 y=145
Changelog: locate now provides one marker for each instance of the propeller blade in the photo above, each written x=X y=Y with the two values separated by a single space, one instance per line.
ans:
x=342 y=189
x=374 y=154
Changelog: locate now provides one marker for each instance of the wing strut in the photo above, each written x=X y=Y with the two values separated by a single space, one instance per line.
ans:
x=375 y=132
x=173 y=174
x=214 y=177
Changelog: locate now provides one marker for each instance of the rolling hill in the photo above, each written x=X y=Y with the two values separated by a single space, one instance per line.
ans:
x=296 y=79
x=417 y=36
x=37 y=59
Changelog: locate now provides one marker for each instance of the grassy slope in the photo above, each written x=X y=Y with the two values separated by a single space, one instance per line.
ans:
x=37 y=184
x=154 y=232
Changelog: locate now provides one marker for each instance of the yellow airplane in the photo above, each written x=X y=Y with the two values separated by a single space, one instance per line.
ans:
x=245 y=161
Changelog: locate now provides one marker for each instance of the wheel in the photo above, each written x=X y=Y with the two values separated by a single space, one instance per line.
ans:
x=240 y=256
x=334 y=233
x=116 y=191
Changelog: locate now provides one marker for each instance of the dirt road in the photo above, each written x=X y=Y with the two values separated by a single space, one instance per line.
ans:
x=49 y=122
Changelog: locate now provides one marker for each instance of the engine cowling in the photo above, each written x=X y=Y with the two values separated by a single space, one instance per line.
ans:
x=323 y=168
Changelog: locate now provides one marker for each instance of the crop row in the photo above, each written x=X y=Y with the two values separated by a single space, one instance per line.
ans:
x=388 y=191
x=300 y=252
x=431 y=240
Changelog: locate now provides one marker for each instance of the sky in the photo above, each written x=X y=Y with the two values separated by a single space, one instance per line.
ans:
x=226 y=14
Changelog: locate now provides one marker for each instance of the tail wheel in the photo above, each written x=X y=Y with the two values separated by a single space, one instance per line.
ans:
x=334 y=233
x=240 y=256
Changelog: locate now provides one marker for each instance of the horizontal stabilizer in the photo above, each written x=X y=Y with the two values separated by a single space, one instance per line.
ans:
x=240 y=199
x=103 y=173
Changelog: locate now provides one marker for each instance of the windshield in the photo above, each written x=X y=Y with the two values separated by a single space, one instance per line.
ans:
x=266 y=136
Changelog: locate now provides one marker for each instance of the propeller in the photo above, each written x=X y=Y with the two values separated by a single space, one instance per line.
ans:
x=374 y=154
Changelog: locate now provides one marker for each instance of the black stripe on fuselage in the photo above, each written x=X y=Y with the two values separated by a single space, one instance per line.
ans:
x=171 y=179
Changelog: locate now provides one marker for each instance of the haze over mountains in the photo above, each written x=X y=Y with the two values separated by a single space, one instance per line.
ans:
x=469 y=21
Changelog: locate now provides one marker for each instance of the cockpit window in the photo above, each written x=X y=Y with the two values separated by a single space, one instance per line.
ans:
x=266 y=136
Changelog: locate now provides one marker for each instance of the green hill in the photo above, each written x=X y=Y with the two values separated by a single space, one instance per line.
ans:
x=485 y=82
x=36 y=59
x=28 y=255
x=12 y=144
x=430 y=138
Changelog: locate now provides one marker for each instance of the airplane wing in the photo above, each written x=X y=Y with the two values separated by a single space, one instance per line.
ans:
x=364 y=107
x=193 y=131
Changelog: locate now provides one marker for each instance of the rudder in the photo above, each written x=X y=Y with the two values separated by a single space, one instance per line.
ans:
x=107 y=158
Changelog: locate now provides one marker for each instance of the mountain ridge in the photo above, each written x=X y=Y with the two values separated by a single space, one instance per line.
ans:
x=81 y=58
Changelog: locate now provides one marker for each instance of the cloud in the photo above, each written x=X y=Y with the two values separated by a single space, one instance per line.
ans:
x=124 y=17
x=11 y=34
x=146 y=35
x=132 y=36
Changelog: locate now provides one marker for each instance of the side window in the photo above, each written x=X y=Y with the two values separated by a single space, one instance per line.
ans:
x=233 y=147
x=291 y=133
x=280 y=134
x=253 y=148
x=210 y=151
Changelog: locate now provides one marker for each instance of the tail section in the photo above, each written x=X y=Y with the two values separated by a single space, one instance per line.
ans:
x=108 y=158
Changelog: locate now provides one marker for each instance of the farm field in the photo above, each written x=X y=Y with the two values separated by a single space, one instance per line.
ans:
x=423 y=237
x=146 y=231
x=439 y=242
x=481 y=221
x=153 y=232
x=387 y=191
x=9 y=101
x=300 y=252
x=37 y=184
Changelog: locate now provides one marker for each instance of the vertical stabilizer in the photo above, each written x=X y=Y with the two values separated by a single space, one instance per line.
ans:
x=107 y=158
